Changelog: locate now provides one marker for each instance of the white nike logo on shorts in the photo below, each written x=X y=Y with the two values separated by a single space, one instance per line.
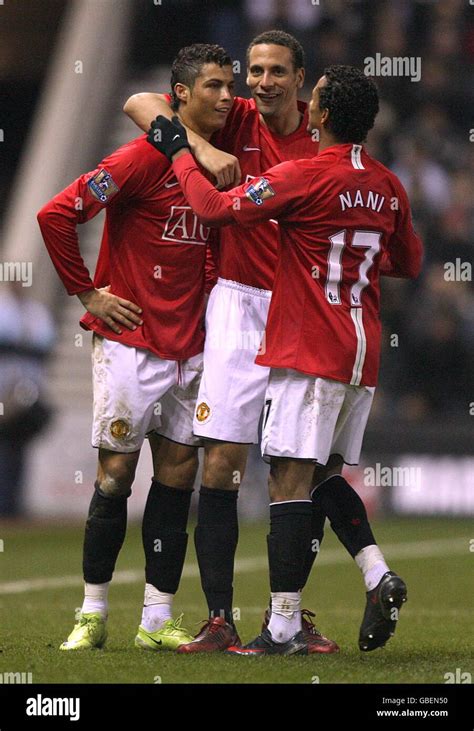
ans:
x=246 y=148
x=171 y=185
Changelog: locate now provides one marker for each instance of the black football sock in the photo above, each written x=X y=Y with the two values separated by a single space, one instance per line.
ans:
x=346 y=513
x=215 y=538
x=106 y=526
x=318 y=517
x=164 y=535
x=288 y=543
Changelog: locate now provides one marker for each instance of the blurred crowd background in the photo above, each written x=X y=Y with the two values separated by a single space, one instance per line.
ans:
x=424 y=132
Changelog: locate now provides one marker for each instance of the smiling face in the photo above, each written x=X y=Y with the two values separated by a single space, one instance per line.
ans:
x=273 y=79
x=207 y=103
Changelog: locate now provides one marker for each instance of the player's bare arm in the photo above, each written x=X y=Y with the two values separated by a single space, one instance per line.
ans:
x=144 y=107
x=111 y=309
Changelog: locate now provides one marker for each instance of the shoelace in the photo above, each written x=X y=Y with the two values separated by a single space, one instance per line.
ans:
x=211 y=626
x=307 y=616
x=203 y=623
x=177 y=622
x=87 y=622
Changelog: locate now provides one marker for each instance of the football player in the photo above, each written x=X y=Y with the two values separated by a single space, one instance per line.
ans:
x=261 y=132
x=344 y=218
x=144 y=307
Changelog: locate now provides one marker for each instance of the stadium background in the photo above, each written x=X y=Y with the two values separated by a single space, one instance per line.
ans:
x=66 y=68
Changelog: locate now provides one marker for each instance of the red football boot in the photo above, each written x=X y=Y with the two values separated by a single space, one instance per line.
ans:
x=315 y=640
x=215 y=635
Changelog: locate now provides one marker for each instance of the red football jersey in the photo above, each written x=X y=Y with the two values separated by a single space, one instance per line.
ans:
x=153 y=249
x=257 y=149
x=340 y=215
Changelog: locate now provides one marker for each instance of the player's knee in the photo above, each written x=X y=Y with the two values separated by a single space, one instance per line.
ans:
x=286 y=481
x=276 y=482
x=223 y=468
x=331 y=469
x=116 y=474
x=174 y=464
x=119 y=485
x=188 y=469
x=180 y=472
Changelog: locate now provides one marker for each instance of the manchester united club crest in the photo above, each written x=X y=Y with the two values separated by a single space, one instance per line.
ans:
x=259 y=190
x=120 y=429
x=203 y=412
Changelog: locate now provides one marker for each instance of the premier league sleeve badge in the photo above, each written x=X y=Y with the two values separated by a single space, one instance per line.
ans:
x=259 y=190
x=102 y=186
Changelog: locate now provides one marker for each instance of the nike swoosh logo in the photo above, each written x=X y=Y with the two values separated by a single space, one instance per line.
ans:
x=157 y=642
x=171 y=185
x=246 y=148
x=176 y=137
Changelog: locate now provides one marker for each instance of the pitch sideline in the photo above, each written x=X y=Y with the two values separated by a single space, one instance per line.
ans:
x=393 y=551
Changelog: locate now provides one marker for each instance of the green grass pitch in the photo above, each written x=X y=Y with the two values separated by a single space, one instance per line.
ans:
x=40 y=587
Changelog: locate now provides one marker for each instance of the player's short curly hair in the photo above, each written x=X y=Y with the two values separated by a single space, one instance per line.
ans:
x=352 y=100
x=189 y=62
x=280 y=38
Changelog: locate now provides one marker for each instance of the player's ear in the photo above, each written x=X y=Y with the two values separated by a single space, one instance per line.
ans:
x=324 y=116
x=300 y=76
x=182 y=92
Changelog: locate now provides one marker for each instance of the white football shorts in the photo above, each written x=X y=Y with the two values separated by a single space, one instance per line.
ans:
x=137 y=392
x=311 y=418
x=232 y=391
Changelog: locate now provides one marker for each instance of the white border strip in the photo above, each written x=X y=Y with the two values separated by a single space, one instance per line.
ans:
x=357 y=319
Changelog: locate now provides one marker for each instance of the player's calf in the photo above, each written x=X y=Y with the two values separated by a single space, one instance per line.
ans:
x=288 y=543
x=348 y=517
x=216 y=538
x=106 y=525
x=104 y=535
x=165 y=541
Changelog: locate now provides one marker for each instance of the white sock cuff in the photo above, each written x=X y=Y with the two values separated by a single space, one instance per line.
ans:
x=97 y=592
x=368 y=557
x=286 y=603
x=155 y=596
x=96 y=599
x=285 y=502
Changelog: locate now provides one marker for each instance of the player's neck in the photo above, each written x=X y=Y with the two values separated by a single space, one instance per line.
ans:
x=194 y=125
x=327 y=140
x=283 y=124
